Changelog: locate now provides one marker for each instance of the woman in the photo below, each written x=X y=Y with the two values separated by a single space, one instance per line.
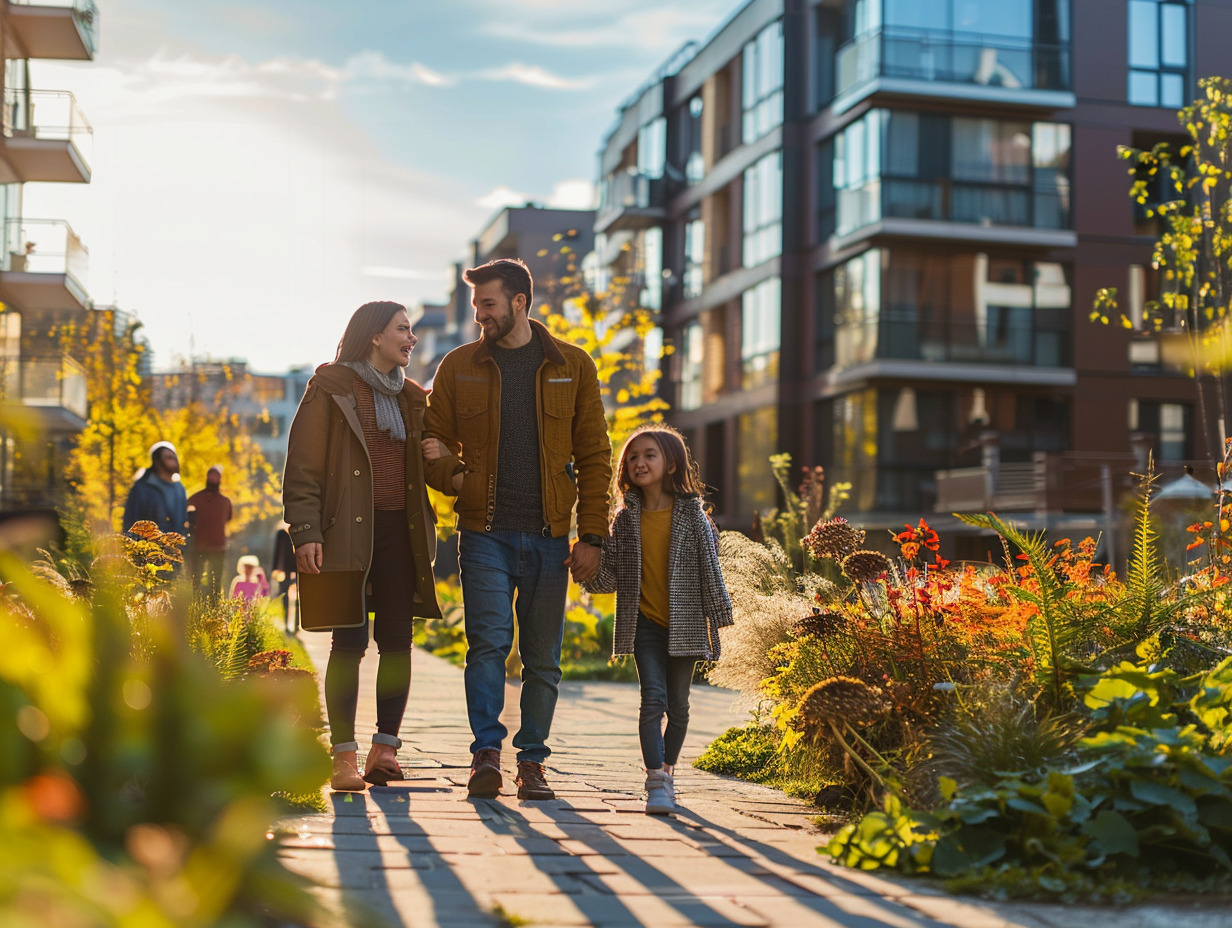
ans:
x=357 y=507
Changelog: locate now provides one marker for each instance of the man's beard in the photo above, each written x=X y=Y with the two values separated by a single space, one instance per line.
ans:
x=500 y=328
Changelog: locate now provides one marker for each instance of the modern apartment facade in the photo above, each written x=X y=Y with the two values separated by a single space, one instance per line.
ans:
x=881 y=227
x=44 y=137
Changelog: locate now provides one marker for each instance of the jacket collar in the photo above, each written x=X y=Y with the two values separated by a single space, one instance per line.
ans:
x=551 y=350
x=338 y=381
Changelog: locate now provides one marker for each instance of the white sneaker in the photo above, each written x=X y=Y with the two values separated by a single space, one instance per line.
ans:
x=660 y=798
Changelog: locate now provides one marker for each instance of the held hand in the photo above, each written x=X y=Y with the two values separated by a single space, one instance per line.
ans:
x=583 y=561
x=309 y=557
x=434 y=448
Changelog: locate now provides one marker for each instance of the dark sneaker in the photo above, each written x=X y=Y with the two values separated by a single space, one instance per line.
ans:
x=485 y=778
x=531 y=783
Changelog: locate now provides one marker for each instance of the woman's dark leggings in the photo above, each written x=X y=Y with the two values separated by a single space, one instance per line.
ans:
x=392 y=627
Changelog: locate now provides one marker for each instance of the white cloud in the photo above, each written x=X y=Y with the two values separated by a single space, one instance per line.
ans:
x=500 y=197
x=534 y=76
x=404 y=273
x=573 y=194
x=633 y=24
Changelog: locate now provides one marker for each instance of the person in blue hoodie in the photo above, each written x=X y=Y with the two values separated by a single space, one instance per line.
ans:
x=158 y=495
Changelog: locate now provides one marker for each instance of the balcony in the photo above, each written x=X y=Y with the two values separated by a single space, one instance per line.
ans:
x=56 y=387
x=44 y=266
x=976 y=203
x=63 y=29
x=631 y=201
x=46 y=137
x=1001 y=339
x=1070 y=481
x=953 y=64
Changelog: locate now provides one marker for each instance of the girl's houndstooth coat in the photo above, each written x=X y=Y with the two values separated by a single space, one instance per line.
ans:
x=698 y=604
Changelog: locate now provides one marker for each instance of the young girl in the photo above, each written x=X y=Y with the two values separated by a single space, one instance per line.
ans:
x=662 y=561
x=249 y=581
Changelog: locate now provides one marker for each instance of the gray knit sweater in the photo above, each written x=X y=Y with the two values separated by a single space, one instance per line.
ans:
x=698 y=604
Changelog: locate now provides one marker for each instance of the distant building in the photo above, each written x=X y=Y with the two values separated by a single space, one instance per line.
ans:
x=44 y=137
x=264 y=403
x=880 y=226
x=534 y=233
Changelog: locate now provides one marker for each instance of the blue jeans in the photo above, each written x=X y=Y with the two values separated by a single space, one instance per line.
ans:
x=493 y=566
x=664 y=682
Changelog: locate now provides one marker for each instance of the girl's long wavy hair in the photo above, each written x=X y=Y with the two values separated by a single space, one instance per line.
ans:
x=366 y=322
x=685 y=478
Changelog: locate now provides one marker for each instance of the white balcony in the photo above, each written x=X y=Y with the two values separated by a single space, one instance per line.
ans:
x=54 y=386
x=46 y=137
x=44 y=265
x=62 y=29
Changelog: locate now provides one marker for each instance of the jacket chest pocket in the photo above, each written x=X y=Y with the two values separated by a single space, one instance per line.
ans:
x=472 y=408
x=558 y=407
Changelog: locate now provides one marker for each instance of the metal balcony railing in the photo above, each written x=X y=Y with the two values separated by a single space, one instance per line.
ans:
x=953 y=57
x=85 y=15
x=59 y=382
x=47 y=115
x=979 y=202
x=45 y=246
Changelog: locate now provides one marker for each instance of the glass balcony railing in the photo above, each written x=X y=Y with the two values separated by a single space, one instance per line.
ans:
x=981 y=203
x=85 y=17
x=1000 y=339
x=627 y=192
x=45 y=246
x=55 y=382
x=47 y=115
x=952 y=57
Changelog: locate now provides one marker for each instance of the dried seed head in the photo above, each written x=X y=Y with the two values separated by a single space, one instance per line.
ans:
x=834 y=538
x=839 y=700
x=863 y=566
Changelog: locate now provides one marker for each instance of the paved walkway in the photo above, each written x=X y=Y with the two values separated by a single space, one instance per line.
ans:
x=419 y=853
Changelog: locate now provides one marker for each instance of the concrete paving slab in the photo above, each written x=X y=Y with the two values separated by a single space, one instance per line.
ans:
x=419 y=853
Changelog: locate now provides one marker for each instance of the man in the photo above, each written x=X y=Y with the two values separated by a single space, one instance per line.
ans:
x=516 y=431
x=157 y=495
x=209 y=512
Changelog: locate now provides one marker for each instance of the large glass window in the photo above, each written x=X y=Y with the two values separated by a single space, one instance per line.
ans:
x=694 y=160
x=694 y=256
x=904 y=165
x=652 y=148
x=1159 y=52
x=762 y=88
x=651 y=296
x=946 y=307
x=692 y=342
x=763 y=210
x=757 y=440
x=760 y=319
x=1166 y=426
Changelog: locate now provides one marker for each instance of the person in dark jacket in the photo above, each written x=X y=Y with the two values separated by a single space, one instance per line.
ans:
x=282 y=572
x=158 y=495
x=355 y=500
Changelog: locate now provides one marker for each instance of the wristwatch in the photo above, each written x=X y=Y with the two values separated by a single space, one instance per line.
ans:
x=591 y=538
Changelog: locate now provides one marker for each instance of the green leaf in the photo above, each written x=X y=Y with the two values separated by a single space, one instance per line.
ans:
x=1157 y=794
x=1113 y=832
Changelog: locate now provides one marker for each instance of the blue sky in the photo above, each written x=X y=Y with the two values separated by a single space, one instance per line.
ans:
x=260 y=169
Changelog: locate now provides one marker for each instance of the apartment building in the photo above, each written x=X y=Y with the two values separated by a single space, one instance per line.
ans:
x=44 y=138
x=879 y=227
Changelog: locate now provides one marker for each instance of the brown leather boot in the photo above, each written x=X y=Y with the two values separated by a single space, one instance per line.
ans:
x=346 y=778
x=531 y=783
x=485 y=779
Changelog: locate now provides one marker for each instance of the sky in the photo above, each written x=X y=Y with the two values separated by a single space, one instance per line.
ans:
x=260 y=169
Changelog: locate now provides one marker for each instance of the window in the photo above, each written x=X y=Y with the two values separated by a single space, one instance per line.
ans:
x=759 y=333
x=651 y=296
x=762 y=94
x=692 y=341
x=694 y=160
x=652 y=148
x=757 y=434
x=946 y=307
x=1159 y=52
x=902 y=165
x=694 y=256
x=1165 y=425
x=763 y=210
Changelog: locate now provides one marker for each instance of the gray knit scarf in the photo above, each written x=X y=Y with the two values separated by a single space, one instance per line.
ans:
x=385 y=389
